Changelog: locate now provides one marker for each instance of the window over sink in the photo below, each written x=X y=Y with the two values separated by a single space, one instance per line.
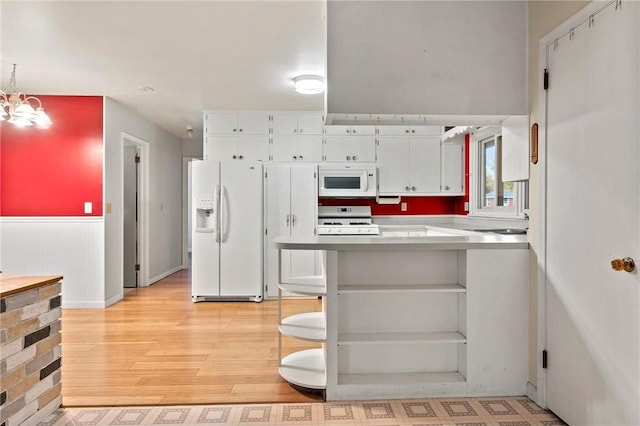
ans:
x=490 y=195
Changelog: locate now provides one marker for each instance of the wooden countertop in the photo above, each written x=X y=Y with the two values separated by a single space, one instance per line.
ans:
x=12 y=284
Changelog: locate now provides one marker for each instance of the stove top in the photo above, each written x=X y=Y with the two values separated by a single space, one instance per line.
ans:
x=346 y=220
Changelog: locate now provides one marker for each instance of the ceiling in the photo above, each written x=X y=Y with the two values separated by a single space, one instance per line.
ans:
x=196 y=55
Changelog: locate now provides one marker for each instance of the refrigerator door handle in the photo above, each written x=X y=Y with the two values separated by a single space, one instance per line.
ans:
x=225 y=214
x=216 y=203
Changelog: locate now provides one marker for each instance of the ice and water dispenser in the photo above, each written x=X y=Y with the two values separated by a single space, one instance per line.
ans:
x=205 y=217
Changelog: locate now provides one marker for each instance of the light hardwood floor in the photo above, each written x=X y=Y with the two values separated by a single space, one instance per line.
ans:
x=156 y=347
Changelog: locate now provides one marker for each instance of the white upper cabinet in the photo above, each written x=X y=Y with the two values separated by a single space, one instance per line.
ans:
x=350 y=144
x=236 y=136
x=453 y=168
x=408 y=166
x=409 y=131
x=297 y=124
x=296 y=148
x=237 y=123
x=515 y=148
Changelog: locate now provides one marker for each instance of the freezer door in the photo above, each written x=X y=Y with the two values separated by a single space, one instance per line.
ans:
x=205 y=260
x=241 y=228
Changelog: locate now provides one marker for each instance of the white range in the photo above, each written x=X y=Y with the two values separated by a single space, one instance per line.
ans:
x=346 y=220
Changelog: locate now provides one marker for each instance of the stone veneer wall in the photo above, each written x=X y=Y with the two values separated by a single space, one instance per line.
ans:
x=31 y=355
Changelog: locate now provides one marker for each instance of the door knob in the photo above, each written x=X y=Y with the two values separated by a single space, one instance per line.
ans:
x=626 y=264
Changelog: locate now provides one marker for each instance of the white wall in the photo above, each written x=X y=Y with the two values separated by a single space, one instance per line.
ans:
x=69 y=246
x=433 y=57
x=165 y=196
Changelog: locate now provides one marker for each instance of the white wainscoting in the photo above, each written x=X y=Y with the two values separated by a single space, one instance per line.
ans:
x=69 y=246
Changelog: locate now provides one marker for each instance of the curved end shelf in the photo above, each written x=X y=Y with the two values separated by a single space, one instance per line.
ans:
x=305 y=289
x=308 y=326
x=305 y=368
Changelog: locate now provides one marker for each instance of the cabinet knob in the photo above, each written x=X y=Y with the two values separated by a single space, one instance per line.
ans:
x=353 y=131
x=406 y=188
x=446 y=187
x=354 y=158
x=300 y=157
x=413 y=130
x=234 y=157
x=406 y=131
x=300 y=130
x=235 y=130
x=413 y=188
x=240 y=130
x=295 y=130
x=295 y=158
x=348 y=158
x=240 y=157
x=347 y=130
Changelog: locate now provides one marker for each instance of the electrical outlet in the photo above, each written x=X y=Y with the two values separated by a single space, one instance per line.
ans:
x=466 y=206
x=108 y=207
x=403 y=207
x=88 y=207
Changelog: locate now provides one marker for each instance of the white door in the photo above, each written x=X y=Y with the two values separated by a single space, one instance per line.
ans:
x=592 y=203
x=310 y=148
x=393 y=161
x=250 y=123
x=241 y=228
x=425 y=165
x=253 y=148
x=363 y=149
x=337 y=149
x=278 y=210
x=221 y=147
x=130 y=216
x=221 y=123
x=284 y=148
x=285 y=124
x=452 y=167
x=310 y=124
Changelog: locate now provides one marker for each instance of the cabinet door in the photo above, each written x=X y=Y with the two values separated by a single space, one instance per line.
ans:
x=285 y=124
x=221 y=123
x=285 y=148
x=252 y=123
x=337 y=130
x=393 y=131
x=363 y=148
x=426 y=130
x=363 y=130
x=453 y=168
x=424 y=164
x=393 y=161
x=277 y=209
x=254 y=147
x=310 y=124
x=304 y=218
x=310 y=148
x=337 y=149
x=222 y=147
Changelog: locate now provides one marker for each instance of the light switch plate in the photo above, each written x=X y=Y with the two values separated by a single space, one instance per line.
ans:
x=88 y=207
x=403 y=207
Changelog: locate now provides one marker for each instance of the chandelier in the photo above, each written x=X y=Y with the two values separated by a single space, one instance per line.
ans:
x=16 y=108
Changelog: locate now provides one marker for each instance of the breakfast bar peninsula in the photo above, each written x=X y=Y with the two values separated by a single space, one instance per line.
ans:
x=442 y=312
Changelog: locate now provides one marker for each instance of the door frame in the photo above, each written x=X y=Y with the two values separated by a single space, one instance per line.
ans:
x=186 y=199
x=564 y=28
x=143 y=204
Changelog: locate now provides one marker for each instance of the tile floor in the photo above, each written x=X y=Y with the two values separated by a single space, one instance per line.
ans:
x=512 y=411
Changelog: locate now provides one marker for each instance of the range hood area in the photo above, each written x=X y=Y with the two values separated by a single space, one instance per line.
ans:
x=433 y=62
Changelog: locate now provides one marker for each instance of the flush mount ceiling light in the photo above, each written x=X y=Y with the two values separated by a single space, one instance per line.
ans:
x=16 y=108
x=309 y=84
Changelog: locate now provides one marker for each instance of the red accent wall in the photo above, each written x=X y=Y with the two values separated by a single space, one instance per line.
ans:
x=52 y=172
x=415 y=205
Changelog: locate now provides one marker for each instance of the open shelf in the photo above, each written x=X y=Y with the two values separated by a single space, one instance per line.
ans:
x=398 y=338
x=404 y=288
x=305 y=368
x=307 y=326
x=305 y=289
x=400 y=378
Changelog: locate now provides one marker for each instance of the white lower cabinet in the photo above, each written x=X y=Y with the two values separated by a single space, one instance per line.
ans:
x=291 y=203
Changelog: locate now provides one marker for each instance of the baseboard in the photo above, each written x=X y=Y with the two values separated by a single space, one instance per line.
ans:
x=532 y=393
x=165 y=274
x=115 y=299
x=83 y=305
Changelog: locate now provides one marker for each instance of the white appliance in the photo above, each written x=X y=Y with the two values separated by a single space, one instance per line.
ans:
x=227 y=230
x=346 y=220
x=347 y=180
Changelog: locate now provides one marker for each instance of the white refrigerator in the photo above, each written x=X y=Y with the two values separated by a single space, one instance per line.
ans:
x=227 y=236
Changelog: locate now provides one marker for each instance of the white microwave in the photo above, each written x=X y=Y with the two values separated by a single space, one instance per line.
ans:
x=347 y=180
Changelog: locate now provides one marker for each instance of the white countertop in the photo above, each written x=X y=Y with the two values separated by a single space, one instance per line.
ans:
x=440 y=239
